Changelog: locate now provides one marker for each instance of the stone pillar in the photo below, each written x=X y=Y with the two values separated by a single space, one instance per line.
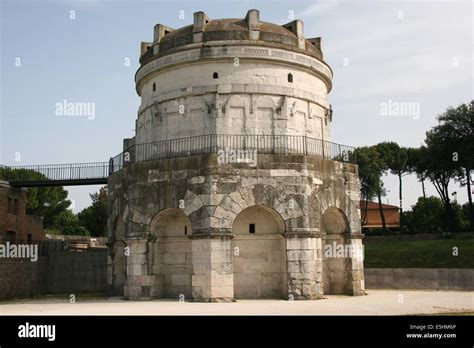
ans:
x=304 y=264
x=253 y=20
x=357 y=264
x=200 y=22
x=141 y=284
x=213 y=277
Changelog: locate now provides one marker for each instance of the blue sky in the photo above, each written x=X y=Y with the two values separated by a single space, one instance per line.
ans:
x=381 y=51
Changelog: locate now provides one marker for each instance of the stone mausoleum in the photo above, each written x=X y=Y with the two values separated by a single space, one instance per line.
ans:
x=231 y=187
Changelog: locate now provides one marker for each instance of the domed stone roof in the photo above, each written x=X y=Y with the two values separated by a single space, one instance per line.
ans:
x=236 y=31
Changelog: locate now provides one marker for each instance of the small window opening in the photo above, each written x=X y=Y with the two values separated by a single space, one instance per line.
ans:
x=215 y=75
x=10 y=205
x=15 y=206
x=185 y=230
x=290 y=78
x=251 y=228
x=154 y=87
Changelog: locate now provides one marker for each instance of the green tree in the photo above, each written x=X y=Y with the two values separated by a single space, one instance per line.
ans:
x=396 y=160
x=371 y=168
x=65 y=219
x=450 y=155
x=47 y=202
x=416 y=165
x=427 y=215
x=94 y=217
x=456 y=132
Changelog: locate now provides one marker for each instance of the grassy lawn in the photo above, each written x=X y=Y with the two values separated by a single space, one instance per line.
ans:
x=419 y=254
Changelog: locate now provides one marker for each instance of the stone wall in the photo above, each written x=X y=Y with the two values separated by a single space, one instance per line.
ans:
x=259 y=266
x=420 y=278
x=22 y=278
x=13 y=217
x=254 y=98
x=58 y=272
x=295 y=190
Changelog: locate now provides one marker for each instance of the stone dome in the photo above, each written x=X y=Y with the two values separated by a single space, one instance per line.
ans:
x=247 y=31
x=232 y=75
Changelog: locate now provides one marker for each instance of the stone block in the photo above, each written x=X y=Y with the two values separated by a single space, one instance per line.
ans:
x=181 y=279
x=175 y=258
x=301 y=255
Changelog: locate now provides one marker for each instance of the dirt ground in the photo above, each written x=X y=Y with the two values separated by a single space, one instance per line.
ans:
x=376 y=302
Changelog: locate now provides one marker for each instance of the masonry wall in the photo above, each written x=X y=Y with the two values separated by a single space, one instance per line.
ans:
x=173 y=260
x=336 y=279
x=253 y=97
x=259 y=266
x=22 y=278
x=58 y=272
x=18 y=221
x=420 y=278
x=212 y=197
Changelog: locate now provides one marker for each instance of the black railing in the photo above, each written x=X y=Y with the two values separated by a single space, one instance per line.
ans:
x=97 y=173
x=74 y=173
x=216 y=143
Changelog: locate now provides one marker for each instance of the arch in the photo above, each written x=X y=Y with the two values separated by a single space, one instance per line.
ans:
x=259 y=258
x=215 y=75
x=172 y=252
x=266 y=221
x=171 y=222
x=334 y=222
x=265 y=102
x=330 y=196
x=337 y=275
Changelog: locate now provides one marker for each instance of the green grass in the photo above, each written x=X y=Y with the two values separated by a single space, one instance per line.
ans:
x=419 y=254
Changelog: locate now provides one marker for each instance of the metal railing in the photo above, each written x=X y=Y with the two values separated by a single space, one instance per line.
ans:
x=216 y=143
x=98 y=172
x=56 y=172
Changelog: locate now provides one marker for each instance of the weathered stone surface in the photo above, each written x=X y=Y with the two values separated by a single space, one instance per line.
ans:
x=252 y=227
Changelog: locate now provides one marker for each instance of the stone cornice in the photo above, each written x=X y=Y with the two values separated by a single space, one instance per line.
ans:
x=316 y=66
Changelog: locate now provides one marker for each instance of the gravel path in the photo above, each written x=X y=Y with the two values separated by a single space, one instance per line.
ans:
x=377 y=302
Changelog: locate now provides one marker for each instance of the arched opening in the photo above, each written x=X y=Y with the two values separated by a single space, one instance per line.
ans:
x=118 y=258
x=215 y=75
x=154 y=86
x=334 y=222
x=259 y=260
x=290 y=78
x=172 y=252
x=337 y=275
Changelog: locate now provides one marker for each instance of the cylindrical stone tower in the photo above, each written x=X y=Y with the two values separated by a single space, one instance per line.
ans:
x=231 y=187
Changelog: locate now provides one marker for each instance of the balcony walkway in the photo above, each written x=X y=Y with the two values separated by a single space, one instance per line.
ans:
x=96 y=173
